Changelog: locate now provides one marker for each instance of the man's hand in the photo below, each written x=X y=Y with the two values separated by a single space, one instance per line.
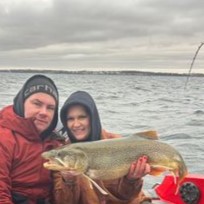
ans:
x=139 y=168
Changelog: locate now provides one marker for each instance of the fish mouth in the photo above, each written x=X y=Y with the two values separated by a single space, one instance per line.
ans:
x=56 y=164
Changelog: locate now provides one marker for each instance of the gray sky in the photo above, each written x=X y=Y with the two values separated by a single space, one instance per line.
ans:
x=153 y=35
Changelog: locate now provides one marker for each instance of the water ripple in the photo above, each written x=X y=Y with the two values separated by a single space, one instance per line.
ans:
x=129 y=104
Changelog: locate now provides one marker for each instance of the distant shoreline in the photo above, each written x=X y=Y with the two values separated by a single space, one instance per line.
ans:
x=122 y=72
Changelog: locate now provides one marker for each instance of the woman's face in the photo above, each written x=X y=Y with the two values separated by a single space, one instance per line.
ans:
x=78 y=122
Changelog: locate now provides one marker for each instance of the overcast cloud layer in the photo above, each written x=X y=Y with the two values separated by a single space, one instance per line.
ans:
x=155 y=35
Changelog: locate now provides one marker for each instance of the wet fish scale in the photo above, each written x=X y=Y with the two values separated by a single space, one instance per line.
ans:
x=111 y=159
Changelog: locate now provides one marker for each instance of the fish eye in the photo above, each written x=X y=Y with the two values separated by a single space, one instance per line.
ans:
x=59 y=154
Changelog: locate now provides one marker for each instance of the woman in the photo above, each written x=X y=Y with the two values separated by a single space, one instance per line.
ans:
x=25 y=132
x=80 y=119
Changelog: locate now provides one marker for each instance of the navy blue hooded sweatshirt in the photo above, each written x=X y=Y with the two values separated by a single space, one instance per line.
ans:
x=82 y=98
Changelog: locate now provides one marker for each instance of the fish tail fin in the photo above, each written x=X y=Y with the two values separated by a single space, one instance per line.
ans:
x=176 y=181
x=182 y=172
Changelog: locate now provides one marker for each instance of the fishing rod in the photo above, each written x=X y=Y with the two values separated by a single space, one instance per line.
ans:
x=192 y=63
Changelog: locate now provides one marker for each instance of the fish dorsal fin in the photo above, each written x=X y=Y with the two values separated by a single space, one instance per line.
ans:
x=96 y=185
x=149 y=134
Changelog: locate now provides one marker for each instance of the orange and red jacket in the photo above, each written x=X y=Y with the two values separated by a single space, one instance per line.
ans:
x=21 y=165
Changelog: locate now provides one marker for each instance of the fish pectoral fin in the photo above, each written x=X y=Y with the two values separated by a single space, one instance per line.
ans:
x=89 y=180
x=96 y=185
x=157 y=170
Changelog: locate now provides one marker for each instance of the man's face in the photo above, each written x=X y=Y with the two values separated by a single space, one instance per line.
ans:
x=41 y=107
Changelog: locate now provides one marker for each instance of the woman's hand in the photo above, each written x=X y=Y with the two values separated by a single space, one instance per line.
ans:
x=69 y=178
x=138 y=169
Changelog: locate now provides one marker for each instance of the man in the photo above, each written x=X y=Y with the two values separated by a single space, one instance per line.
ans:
x=25 y=132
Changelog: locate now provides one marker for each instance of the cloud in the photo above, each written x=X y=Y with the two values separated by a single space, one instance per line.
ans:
x=134 y=34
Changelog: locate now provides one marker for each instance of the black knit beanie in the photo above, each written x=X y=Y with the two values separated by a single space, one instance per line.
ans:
x=35 y=84
x=40 y=84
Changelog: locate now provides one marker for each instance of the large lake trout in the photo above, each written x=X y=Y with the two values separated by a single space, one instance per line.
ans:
x=111 y=158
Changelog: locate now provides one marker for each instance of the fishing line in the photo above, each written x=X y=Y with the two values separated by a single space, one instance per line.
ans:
x=192 y=63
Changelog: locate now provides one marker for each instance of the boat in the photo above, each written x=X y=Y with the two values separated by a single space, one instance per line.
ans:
x=190 y=190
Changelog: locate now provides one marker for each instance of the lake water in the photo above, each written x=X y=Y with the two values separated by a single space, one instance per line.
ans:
x=131 y=103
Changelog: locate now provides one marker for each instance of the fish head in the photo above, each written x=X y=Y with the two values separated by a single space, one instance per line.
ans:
x=73 y=160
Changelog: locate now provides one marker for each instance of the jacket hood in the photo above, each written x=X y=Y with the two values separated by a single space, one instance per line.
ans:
x=37 y=83
x=84 y=99
x=24 y=126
